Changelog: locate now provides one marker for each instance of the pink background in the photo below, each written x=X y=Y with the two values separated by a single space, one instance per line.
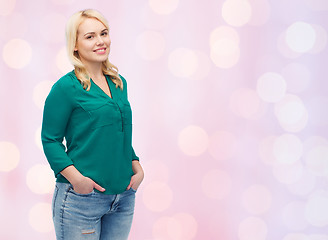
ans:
x=230 y=114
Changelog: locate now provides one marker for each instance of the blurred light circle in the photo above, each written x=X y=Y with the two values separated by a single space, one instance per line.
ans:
x=252 y=228
x=40 y=217
x=216 y=184
x=316 y=210
x=257 y=199
x=284 y=49
x=288 y=174
x=9 y=156
x=193 y=140
x=224 y=32
x=266 y=150
x=287 y=149
x=236 y=12
x=222 y=145
x=7 y=7
x=297 y=77
x=167 y=228
x=321 y=39
x=37 y=137
x=157 y=196
x=296 y=236
x=40 y=179
x=304 y=185
x=40 y=93
x=300 y=37
x=156 y=171
x=51 y=27
x=245 y=102
x=225 y=53
x=188 y=225
x=291 y=113
x=260 y=12
x=163 y=7
x=293 y=216
x=150 y=45
x=17 y=53
x=183 y=62
x=271 y=87
x=62 y=61
x=317 y=160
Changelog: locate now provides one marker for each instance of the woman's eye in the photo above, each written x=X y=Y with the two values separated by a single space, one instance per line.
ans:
x=104 y=34
x=89 y=37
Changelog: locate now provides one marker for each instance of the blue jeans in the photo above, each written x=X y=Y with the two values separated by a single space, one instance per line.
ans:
x=93 y=216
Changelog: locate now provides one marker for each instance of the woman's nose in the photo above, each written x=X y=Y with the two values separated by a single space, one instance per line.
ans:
x=100 y=41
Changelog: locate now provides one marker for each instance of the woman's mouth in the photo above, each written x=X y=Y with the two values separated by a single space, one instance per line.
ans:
x=100 y=50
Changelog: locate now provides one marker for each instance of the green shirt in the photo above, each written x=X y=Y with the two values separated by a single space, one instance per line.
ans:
x=97 y=130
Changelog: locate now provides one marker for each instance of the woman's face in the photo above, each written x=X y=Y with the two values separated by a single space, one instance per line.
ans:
x=93 y=41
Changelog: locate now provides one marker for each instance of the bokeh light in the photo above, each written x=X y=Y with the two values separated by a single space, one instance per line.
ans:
x=316 y=210
x=271 y=87
x=293 y=216
x=225 y=53
x=40 y=217
x=260 y=12
x=236 y=12
x=39 y=179
x=193 y=140
x=287 y=149
x=17 y=53
x=9 y=156
x=300 y=37
x=288 y=174
x=321 y=39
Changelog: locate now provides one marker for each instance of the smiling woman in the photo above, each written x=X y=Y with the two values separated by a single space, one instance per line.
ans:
x=98 y=173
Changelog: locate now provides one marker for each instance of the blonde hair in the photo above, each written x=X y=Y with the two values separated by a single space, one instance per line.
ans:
x=71 y=39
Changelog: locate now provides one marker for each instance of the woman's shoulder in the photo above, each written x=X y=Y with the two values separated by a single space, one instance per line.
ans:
x=69 y=80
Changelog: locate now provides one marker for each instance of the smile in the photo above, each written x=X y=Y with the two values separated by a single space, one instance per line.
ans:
x=100 y=50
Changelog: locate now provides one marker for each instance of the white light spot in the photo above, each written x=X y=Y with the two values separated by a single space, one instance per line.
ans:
x=62 y=61
x=216 y=184
x=150 y=45
x=316 y=211
x=224 y=32
x=17 y=53
x=271 y=87
x=291 y=113
x=9 y=156
x=304 y=185
x=257 y=199
x=300 y=37
x=293 y=216
x=252 y=228
x=193 y=140
x=225 y=53
x=321 y=39
x=157 y=196
x=222 y=145
x=284 y=49
x=288 y=174
x=40 y=93
x=287 y=149
x=7 y=7
x=183 y=62
x=163 y=7
x=297 y=77
x=40 y=217
x=40 y=179
x=236 y=12
x=203 y=67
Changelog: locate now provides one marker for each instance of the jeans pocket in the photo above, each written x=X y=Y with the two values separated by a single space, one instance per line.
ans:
x=71 y=190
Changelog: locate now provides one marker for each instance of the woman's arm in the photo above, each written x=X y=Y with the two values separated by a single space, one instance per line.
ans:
x=138 y=176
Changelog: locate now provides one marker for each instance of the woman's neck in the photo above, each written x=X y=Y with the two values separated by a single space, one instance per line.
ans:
x=94 y=70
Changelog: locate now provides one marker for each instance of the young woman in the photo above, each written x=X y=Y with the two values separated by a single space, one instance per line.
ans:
x=98 y=171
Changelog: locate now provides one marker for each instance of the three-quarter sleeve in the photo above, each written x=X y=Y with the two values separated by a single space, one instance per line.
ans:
x=134 y=156
x=57 y=110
